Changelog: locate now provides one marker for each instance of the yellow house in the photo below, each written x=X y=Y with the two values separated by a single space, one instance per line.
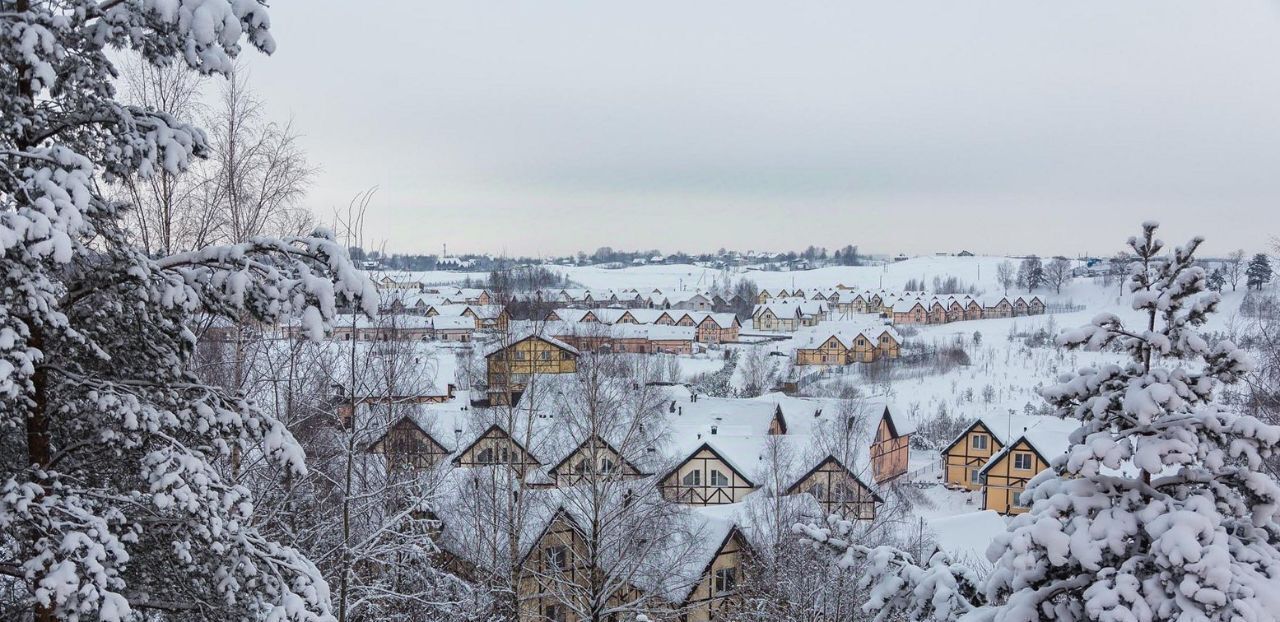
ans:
x=838 y=490
x=963 y=459
x=1007 y=473
x=556 y=569
x=833 y=351
x=509 y=367
x=705 y=478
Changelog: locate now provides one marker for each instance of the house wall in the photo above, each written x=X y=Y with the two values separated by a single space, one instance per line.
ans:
x=405 y=444
x=962 y=459
x=703 y=601
x=497 y=441
x=704 y=493
x=1004 y=482
x=568 y=474
x=529 y=356
x=827 y=478
x=889 y=454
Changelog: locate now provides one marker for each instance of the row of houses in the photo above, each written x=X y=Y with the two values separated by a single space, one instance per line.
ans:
x=452 y=322
x=689 y=300
x=710 y=327
x=836 y=343
x=625 y=338
x=946 y=309
x=395 y=285
x=789 y=314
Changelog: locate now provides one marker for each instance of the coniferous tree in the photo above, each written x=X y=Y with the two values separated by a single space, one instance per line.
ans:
x=113 y=502
x=1217 y=279
x=1259 y=272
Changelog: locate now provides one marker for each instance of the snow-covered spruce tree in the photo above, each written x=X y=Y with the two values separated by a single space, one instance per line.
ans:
x=111 y=505
x=1161 y=508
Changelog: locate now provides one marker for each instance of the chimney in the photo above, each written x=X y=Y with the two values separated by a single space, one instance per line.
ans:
x=713 y=429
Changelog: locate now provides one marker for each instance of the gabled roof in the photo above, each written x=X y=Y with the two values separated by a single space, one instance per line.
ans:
x=707 y=446
x=544 y=338
x=457 y=458
x=832 y=460
x=972 y=426
x=416 y=424
x=607 y=445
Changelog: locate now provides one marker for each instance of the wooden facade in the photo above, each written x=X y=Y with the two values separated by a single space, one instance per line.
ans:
x=890 y=450
x=509 y=367
x=558 y=566
x=593 y=458
x=718 y=583
x=838 y=490
x=407 y=445
x=705 y=478
x=863 y=347
x=496 y=447
x=963 y=459
x=1007 y=474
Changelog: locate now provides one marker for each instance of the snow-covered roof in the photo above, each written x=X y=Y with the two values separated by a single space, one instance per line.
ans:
x=452 y=322
x=500 y=346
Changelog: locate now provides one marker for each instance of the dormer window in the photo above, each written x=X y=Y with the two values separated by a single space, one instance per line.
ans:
x=692 y=478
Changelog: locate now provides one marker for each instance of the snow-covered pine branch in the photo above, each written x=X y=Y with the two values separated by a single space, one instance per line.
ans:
x=899 y=587
x=111 y=500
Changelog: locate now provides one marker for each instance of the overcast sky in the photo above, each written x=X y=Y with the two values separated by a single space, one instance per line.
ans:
x=999 y=126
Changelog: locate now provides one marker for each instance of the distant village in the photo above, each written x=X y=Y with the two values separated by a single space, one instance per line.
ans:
x=701 y=454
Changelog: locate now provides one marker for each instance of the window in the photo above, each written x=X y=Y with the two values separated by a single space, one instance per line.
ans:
x=519 y=355
x=485 y=456
x=975 y=476
x=844 y=494
x=692 y=478
x=979 y=441
x=718 y=478
x=607 y=466
x=1015 y=499
x=556 y=558
x=564 y=356
x=545 y=355
x=726 y=578
x=581 y=467
x=817 y=491
x=553 y=613
x=1022 y=460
